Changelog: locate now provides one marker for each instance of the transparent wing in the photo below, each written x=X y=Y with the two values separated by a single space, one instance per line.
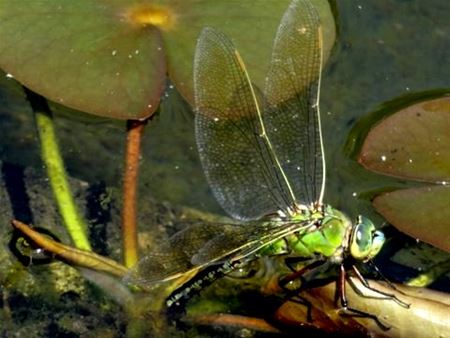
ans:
x=291 y=114
x=172 y=258
x=242 y=169
x=246 y=243
x=204 y=244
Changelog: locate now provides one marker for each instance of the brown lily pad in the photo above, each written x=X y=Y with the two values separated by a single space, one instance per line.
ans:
x=414 y=144
x=423 y=213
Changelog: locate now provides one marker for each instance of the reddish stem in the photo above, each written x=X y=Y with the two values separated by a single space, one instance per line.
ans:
x=230 y=320
x=135 y=130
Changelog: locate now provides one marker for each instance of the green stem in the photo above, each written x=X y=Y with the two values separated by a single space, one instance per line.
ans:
x=53 y=161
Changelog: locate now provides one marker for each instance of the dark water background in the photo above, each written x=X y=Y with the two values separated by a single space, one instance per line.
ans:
x=385 y=49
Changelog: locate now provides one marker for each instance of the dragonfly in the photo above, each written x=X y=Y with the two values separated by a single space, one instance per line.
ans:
x=262 y=153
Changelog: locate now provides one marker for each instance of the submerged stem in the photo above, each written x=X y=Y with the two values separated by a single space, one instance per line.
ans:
x=51 y=156
x=135 y=129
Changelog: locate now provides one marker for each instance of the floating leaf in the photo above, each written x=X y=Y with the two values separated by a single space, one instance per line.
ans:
x=110 y=58
x=414 y=144
x=85 y=54
x=422 y=213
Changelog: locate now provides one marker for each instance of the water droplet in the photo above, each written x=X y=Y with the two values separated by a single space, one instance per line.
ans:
x=136 y=51
x=114 y=52
x=9 y=76
x=355 y=194
x=216 y=119
x=383 y=158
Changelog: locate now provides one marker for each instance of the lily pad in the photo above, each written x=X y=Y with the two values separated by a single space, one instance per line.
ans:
x=110 y=58
x=414 y=144
x=422 y=213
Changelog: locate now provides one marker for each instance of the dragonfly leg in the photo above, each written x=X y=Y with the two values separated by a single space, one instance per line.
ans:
x=349 y=311
x=383 y=277
x=388 y=296
x=297 y=274
x=303 y=301
x=293 y=293
x=341 y=293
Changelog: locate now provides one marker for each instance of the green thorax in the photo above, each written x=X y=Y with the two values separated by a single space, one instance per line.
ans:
x=326 y=233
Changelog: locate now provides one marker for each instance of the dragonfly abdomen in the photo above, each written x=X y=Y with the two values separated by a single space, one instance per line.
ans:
x=201 y=280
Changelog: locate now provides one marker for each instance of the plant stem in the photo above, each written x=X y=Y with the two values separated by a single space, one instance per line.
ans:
x=135 y=130
x=74 y=256
x=54 y=164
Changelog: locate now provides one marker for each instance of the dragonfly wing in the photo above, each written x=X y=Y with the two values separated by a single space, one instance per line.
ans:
x=292 y=91
x=246 y=242
x=158 y=266
x=242 y=169
x=173 y=257
x=203 y=244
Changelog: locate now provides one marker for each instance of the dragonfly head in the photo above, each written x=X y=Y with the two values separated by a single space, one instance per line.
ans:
x=365 y=240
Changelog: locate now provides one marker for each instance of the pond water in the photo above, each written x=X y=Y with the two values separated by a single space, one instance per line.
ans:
x=385 y=49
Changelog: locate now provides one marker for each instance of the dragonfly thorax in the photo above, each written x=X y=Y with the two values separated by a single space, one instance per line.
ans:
x=332 y=235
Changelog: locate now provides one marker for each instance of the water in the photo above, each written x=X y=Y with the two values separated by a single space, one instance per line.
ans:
x=385 y=49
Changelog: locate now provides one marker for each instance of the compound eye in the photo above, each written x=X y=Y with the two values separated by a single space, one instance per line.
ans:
x=365 y=240
x=361 y=241
x=378 y=240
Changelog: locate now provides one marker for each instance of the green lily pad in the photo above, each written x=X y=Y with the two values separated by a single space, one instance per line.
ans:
x=414 y=144
x=253 y=28
x=84 y=54
x=110 y=58
x=422 y=213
